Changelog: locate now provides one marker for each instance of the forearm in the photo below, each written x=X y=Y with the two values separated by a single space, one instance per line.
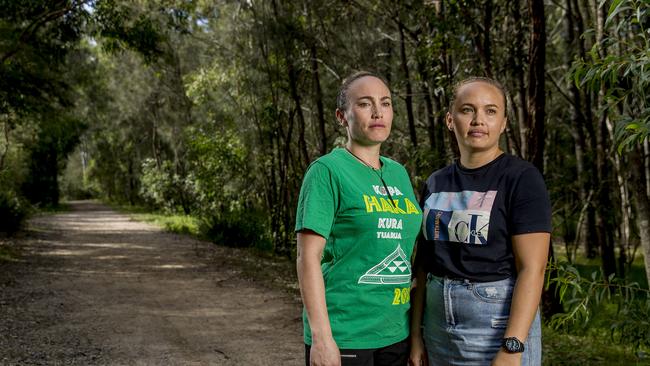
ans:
x=525 y=302
x=418 y=303
x=312 y=290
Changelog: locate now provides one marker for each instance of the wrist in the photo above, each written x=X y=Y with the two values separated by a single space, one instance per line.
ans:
x=512 y=345
x=321 y=337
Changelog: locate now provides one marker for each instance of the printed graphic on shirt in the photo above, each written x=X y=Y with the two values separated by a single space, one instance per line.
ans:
x=389 y=224
x=393 y=270
x=398 y=206
x=461 y=217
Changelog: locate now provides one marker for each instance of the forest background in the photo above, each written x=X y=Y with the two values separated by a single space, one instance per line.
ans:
x=212 y=111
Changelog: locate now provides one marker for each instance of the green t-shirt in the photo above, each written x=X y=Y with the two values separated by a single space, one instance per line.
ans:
x=366 y=261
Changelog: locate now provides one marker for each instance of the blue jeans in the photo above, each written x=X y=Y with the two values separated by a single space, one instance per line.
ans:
x=464 y=322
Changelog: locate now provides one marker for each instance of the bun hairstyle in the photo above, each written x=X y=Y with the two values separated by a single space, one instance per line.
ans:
x=483 y=79
x=342 y=99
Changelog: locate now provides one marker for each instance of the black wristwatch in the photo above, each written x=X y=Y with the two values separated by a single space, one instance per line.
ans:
x=512 y=345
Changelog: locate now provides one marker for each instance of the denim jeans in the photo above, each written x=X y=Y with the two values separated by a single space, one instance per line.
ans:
x=464 y=322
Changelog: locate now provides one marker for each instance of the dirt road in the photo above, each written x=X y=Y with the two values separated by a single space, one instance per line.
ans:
x=97 y=288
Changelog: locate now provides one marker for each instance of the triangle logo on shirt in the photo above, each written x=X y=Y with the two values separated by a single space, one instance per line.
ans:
x=395 y=269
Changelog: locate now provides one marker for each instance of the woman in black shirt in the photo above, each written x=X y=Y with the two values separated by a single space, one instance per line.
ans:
x=486 y=237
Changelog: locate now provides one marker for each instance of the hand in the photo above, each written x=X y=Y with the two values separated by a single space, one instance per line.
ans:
x=507 y=359
x=324 y=353
x=418 y=356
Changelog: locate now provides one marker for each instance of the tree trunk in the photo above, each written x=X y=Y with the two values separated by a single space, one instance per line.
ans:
x=578 y=134
x=318 y=92
x=520 y=142
x=591 y=244
x=409 y=90
x=5 y=149
x=536 y=89
x=642 y=201
x=604 y=219
x=428 y=104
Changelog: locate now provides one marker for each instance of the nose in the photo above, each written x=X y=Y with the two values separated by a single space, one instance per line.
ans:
x=477 y=118
x=376 y=112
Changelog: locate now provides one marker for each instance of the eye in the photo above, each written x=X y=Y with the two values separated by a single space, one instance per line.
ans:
x=491 y=111
x=385 y=104
x=363 y=104
x=467 y=109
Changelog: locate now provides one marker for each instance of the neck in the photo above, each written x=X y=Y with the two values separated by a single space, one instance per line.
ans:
x=367 y=154
x=478 y=159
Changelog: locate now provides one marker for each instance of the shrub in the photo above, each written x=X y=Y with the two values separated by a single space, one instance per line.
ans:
x=238 y=228
x=13 y=212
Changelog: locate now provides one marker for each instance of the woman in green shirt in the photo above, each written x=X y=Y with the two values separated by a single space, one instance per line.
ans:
x=356 y=223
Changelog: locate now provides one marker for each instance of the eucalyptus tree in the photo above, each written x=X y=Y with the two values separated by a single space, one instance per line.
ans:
x=617 y=68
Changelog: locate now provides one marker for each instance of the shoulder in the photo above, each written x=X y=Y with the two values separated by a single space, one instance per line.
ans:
x=517 y=167
x=441 y=173
x=392 y=164
x=331 y=159
x=325 y=163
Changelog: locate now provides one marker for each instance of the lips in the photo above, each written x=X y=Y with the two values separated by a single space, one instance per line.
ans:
x=476 y=133
x=377 y=125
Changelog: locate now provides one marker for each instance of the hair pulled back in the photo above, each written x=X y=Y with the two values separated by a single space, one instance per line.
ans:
x=472 y=79
x=342 y=99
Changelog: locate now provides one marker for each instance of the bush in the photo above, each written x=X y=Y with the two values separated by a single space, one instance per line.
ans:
x=608 y=303
x=13 y=212
x=238 y=228
x=163 y=189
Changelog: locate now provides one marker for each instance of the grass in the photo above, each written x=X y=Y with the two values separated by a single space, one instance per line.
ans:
x=593 y=348
x=180 y=224
x=52 y=209
x=8 y=253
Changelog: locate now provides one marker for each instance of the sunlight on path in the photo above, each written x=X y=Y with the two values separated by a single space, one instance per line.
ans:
x=140 y=296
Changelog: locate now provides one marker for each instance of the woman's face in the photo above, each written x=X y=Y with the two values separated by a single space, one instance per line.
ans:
x=368 y=117
x=477 y=117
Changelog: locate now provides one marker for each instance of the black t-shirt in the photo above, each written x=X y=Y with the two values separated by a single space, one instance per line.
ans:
x=470 y=216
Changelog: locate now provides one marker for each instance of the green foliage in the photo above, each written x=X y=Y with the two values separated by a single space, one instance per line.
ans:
x=13 y=212
x=162 y=187
x=237 y=228
x=624 y=307
x=218 y=167
x=623 y=74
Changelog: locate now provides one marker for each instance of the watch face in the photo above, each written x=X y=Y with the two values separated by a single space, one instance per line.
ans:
x=513 y=345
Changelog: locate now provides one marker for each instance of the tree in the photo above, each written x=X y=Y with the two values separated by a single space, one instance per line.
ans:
x=622 y=78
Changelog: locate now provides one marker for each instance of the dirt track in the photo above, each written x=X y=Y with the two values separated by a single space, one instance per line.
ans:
x=96 y=288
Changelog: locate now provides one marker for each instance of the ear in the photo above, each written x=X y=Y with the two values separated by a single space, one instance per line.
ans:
x=449 y=121
x=505 y=124
x=340 y=116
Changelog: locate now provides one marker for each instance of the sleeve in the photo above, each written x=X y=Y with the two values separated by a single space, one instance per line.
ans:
x=318 y=201
x=530 y=207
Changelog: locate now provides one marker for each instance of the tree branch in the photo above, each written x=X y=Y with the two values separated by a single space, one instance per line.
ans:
x=32 y=28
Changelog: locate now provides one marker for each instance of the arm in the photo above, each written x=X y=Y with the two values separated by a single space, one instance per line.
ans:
x=531 y=254
x=418 y=354
x=324 y=350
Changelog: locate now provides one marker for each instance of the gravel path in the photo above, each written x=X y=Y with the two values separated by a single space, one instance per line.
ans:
x=96 y=288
